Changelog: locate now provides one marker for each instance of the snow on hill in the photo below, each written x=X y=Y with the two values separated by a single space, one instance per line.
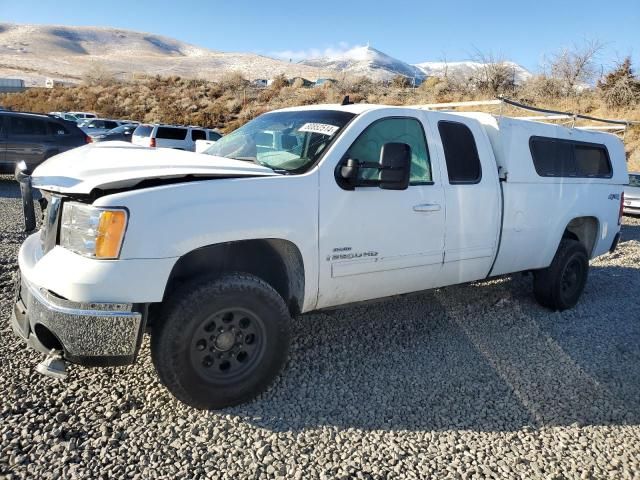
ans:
x=366 y=61
x=372 y=63
x=34 y=52
x=465 y=70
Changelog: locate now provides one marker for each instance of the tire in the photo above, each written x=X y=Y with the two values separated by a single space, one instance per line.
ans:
x=560 y=285
x=221 y=342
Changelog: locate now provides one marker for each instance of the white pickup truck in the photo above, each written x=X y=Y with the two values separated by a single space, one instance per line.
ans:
x=213 y=253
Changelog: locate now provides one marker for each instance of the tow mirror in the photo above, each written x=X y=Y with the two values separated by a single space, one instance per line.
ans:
x=395 y=166
x=349 y=170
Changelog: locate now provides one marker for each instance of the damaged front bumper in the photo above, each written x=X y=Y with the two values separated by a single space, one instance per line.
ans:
x=91 y=334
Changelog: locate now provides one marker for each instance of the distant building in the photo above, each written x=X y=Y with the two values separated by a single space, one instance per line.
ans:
x=10 y=85
x=52 y=83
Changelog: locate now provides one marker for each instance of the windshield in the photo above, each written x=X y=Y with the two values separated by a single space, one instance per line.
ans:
x=634 y=180
x=291 y=141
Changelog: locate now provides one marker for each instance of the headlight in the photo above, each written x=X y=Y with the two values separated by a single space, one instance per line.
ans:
x=92 y=232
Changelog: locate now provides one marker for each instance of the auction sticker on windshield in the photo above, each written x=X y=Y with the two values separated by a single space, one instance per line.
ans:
x=323 y=128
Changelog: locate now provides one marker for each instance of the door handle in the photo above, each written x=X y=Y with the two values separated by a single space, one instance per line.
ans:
x=427 y=207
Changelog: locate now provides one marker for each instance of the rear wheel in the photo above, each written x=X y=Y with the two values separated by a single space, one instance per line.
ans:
x=560 y=285
x=221 y=342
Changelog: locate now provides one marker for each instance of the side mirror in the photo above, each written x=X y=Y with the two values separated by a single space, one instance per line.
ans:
x=395 y=166
x=349 y=170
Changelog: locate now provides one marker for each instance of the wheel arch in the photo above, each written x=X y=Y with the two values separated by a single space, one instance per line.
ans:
x=585 y=230
x=276 y=261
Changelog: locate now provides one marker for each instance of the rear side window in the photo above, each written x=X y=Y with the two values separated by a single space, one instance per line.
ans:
x=27 y=126
x=554 y=157
x=214 y=136
x=143 y=131
x=198 y=135
x=172 y=133
x=109 y=124
x=57 y=129
x=460 y=153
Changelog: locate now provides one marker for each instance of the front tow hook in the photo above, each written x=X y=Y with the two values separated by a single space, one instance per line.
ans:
x=53 y=365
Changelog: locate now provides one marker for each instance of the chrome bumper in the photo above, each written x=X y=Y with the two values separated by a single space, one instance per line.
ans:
x=87 y=333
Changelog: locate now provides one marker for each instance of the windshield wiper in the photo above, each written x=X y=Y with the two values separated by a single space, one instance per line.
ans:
x=255 y=160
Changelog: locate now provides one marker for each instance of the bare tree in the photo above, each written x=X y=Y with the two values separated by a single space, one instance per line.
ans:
x=576 y=65
x=494 y=75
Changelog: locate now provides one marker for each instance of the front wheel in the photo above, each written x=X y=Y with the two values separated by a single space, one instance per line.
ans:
x=221 y=342
x=560 y=285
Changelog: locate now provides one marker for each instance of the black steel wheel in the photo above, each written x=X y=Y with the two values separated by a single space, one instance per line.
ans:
x=560 y=285
x=222 y=342
x=228 y=344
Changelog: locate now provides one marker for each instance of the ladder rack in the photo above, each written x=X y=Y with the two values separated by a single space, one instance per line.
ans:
x=615 y=126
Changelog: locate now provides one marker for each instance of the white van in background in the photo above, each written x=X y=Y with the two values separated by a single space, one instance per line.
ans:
x=171 y=136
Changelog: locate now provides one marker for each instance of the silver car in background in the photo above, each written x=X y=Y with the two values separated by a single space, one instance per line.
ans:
x=632 y=195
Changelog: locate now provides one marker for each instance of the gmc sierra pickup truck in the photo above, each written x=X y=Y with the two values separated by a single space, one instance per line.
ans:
x=298 y=210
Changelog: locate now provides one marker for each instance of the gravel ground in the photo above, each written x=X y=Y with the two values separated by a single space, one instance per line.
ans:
x=473 y=381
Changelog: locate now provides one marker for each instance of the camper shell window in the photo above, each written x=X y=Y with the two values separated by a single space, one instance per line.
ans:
x=555 y=157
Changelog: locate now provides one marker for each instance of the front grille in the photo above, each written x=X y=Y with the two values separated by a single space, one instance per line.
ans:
x=50 y=221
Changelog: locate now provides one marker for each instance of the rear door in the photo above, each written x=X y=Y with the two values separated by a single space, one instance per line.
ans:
x=27 y=139
x=472 y=196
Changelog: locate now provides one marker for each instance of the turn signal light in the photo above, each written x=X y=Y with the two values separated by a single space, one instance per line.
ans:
x=110 y=233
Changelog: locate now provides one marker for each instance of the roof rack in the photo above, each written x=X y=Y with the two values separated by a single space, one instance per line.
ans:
x=615 y=126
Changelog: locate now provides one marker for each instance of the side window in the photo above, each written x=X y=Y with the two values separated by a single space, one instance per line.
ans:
x=552 y=158
x=368 y=145
x=592 y=161
x=214 y=136
x=460 y=153
x=27 y=126
x=171 y=133
x=198 y=135
x=110 y=125
x=555 y=157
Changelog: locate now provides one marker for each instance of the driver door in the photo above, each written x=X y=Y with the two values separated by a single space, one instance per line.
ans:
x=374 y=242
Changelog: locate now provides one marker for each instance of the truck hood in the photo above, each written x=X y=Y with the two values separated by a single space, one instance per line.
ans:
x=114 y=165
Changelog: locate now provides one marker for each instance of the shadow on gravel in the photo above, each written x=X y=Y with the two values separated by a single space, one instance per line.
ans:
x=481 y=357
x=631 y=231
x=9 y=188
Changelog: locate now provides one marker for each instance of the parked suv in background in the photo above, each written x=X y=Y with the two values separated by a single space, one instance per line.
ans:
x=170 y=136
x=98 y=126
x=34 y=137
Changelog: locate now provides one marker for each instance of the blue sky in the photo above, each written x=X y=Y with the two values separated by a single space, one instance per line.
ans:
x=414 y=31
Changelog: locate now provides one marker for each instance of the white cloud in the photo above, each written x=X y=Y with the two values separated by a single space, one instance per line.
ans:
x=332 y=51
